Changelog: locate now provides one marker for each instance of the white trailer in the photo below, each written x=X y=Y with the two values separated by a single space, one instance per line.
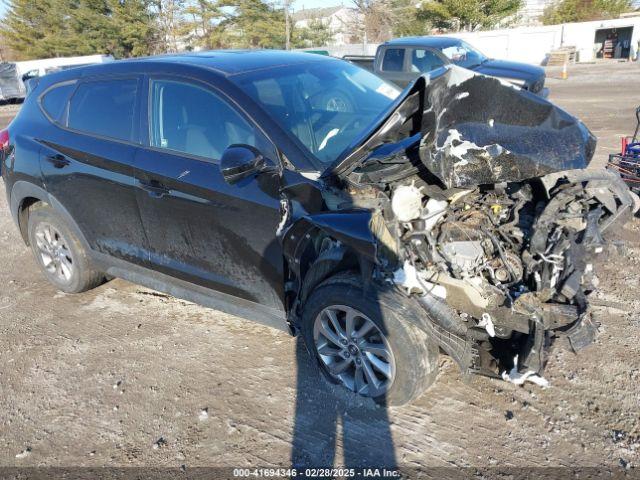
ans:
x=38 y=68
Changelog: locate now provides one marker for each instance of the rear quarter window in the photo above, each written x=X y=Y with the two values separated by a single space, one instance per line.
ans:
x=54 y=100
x=105 y=108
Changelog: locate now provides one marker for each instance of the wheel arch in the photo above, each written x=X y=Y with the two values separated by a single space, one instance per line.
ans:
x=24 y=195
x=317 y=247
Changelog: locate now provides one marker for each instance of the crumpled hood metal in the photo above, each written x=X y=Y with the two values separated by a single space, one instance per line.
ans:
x=477 y=130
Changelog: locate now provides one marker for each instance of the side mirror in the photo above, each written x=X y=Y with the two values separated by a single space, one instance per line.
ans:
x=242 y=161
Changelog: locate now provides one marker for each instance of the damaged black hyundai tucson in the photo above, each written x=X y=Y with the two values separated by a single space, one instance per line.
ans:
x=307 y=194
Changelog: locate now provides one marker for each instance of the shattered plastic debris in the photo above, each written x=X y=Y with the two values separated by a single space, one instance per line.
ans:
x=518 y=378
x=407 y=277
x=487 y=324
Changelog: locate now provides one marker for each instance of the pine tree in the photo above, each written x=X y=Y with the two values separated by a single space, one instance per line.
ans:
x=565 y=11
x=55 y=28
x=252 y=24
x=201 y=18
x=467 y=14
x=37 y=29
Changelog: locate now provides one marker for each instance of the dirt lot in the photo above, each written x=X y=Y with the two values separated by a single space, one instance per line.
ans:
x=123 y=376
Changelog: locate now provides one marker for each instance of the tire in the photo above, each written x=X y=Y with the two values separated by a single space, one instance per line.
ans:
x=59 y=253
x=414 y=364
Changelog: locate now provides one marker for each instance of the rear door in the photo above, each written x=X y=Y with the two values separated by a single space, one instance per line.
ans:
x=87 y=160
x=201 y=229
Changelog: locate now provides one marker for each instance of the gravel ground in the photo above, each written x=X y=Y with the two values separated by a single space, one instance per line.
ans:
x=124 y=376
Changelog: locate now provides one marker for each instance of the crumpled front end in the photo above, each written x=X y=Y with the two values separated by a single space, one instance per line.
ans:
x=501 y=269
x=497 y=221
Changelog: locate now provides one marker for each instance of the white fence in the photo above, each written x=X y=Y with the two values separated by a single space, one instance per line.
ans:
x=528 y=44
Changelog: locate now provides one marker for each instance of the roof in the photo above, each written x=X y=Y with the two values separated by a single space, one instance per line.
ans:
x=313 y=13
x=430 y=41
x=224 y=62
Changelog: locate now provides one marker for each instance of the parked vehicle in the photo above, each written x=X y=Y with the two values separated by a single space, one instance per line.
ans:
x=31 y=70
x=11 y=88
x=404 y=59
x=310 y=195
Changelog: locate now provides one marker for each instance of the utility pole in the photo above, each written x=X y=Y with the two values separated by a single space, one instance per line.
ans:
x=287 y=27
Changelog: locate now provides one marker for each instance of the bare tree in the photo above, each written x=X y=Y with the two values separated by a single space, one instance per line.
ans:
x=169 y=18
x=376 y=24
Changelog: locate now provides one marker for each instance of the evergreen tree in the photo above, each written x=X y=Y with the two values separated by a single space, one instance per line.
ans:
x=37 y=29
x=55 y=28
x=251 y=24
x=315 y=34
x=467 y=14
x=565 y=11
x=200 y=25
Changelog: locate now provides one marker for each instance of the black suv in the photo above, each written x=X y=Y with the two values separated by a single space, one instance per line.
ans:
x=308 y=194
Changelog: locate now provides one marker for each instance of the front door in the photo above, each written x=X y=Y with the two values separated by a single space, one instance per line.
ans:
x=201 y=229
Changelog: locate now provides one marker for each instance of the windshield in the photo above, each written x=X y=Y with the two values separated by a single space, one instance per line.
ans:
x=464 y=55
x=325 y=105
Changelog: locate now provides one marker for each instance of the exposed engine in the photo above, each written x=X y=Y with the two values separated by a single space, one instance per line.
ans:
x=499 y=266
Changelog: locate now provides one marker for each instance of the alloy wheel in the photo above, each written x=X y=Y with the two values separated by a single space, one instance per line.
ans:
x=54 y=253
x=354 y=350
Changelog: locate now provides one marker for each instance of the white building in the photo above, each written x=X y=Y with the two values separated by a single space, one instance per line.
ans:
x=340 y=20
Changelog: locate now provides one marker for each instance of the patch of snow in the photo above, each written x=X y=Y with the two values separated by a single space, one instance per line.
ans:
x=24 y=453
x=518 y=378
x=204 y=415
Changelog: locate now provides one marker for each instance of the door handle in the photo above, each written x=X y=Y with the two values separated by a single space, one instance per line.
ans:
x=154 y=188
x=58 y=160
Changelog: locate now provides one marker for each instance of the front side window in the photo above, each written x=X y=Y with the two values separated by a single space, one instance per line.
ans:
x=464 y=55
x=54 y=101
x=393 y=60
x=323 y=107
x=105 y=108
x=190 y=119
x=424 y=61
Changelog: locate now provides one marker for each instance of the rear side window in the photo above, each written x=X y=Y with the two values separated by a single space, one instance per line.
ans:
x=55 y=100
x=423 y=61
x=104 y=108
x=393 y=60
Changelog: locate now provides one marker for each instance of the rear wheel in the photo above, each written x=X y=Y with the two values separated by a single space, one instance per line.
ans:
x=366 y=342
x=59 y=253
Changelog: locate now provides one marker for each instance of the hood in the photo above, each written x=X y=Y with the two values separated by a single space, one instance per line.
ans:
x=473 y=129
x=510 y=70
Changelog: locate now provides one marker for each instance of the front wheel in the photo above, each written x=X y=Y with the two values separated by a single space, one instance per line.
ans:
x=366 y=341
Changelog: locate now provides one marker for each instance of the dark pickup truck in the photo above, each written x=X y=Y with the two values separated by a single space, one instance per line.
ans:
x=402 y=60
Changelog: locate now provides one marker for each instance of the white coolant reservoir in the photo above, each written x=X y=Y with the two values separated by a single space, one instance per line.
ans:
x=406 y=203
x=434 y=210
